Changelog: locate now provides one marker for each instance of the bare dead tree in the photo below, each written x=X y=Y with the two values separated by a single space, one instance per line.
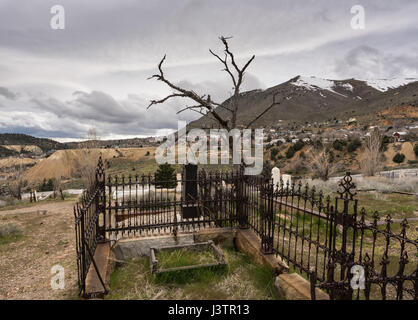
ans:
x=57 y=186
x=87 y=169
x=92 y=139
x=321 y=165
x=372 y=155
x=15 y=184
x=204 y=104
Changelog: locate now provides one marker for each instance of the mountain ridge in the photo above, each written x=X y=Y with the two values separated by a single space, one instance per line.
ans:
x=315 y=99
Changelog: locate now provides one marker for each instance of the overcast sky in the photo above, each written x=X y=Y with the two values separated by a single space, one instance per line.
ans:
x=60 y=83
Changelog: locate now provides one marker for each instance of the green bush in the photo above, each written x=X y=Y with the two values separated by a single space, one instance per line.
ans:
x=318 y=144
x=385 y=142
x=399 y=158
x=290 y=152
x=273 y=154
x=298 y=145
x=47 y=185
x=338 y=145
x=353 y=145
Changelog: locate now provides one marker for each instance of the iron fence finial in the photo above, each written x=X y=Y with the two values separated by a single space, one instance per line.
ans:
x=348 y=187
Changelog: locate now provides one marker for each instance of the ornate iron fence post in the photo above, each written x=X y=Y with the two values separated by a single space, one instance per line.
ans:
x=101 y=200
x=83 y=252
x=267 y=218
x=240 y=201
x=312 y=280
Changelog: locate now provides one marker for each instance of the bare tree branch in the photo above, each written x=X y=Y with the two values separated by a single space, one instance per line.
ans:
x=225 y=63
x=180 y=92
x=274 y=103
x=205 y=102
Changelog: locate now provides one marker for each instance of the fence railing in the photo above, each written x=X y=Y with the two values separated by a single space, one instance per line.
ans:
x=89 y=228
x=328 y=239
x=337 y=245
x=145 y=204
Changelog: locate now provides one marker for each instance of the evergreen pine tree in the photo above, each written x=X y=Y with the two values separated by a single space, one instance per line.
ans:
x=165 y=177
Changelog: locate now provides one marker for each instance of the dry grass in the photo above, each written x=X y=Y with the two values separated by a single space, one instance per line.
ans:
x=380 y=184
x=406 y=148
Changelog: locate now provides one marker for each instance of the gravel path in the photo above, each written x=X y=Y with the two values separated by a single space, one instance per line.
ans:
x=25 y=265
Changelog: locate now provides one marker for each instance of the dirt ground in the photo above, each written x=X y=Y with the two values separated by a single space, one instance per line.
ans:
x=48 y=239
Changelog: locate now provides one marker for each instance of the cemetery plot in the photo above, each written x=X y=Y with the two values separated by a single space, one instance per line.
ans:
x=186 y=257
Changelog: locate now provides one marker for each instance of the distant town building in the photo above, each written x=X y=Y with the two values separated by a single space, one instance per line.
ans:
x=399 y=136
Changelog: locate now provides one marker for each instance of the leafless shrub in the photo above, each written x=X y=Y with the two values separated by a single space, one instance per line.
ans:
x=57 y=187
x=86 y=168
x=92 y=139
x=372 y=155
x=321 y=164
x=15 y=184
x=380 y=184
x=385 y=185
x=10 y=230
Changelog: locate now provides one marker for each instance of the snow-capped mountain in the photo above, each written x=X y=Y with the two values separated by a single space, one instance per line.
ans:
x=311 y=98
x=317 y=84
x=386 y=84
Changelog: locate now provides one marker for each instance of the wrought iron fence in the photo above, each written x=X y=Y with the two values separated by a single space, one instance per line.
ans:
x=327 y=239
x=89 y=230
x=145 y=205
x=337 y=245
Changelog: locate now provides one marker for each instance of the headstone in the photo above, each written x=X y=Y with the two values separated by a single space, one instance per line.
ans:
x=286 y=178
x=178 y=177
x=275 y=174
x=190 y=207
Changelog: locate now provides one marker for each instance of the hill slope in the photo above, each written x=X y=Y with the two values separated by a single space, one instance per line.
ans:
x=314 y=99
x=66 y=164
x=15 y=139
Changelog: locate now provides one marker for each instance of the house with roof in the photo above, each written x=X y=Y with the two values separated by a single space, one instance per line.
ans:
x=399 y=136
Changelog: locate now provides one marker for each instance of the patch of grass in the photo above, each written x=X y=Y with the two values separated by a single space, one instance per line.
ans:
x=168 y=259
x=240 y=279
x=10 y=233
x=27 y=204
x=184 y=257
x=397 y=205
x=181 y=277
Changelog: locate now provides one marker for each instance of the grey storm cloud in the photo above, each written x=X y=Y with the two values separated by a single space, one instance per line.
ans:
x=7 y=93
x=94 y=72
x=365 y=62
x=127 y=116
